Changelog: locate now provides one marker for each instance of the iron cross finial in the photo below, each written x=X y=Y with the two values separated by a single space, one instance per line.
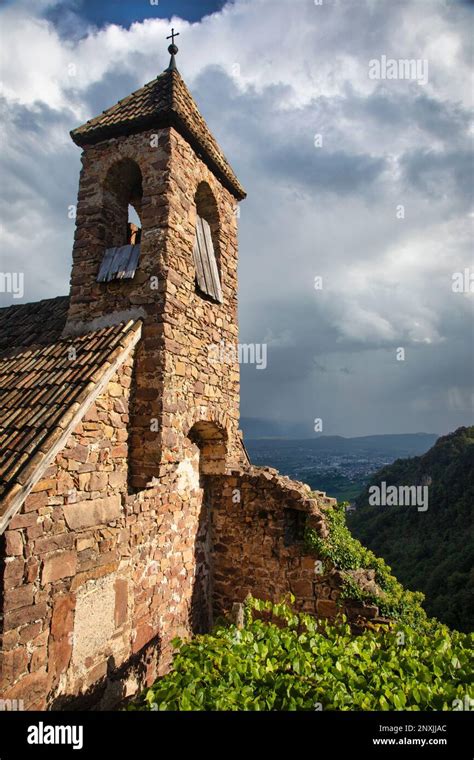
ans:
x=172 y=49
x=172 y=36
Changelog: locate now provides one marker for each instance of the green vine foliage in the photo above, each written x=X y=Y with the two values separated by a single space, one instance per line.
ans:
x=345 y=552
x=294 y=662
x=291 y=661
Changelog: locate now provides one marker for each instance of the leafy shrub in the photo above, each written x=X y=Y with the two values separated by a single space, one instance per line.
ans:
x=345 y=552
x=304 y=664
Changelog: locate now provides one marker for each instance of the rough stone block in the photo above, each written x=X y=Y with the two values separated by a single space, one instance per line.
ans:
x=58 y=566
x=14 y=543
x=121 y=601
x=22 y=596
x=85 y=514
x=326 y=608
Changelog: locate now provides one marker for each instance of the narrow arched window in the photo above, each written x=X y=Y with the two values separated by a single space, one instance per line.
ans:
x=122 y=199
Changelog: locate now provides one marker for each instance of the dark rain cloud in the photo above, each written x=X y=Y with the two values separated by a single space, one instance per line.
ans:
x=309 y=211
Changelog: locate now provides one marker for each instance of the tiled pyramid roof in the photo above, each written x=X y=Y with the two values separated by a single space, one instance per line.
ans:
x=44 y=390
x=165 y=101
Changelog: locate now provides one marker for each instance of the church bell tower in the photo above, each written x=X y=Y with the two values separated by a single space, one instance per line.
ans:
x=173 y=265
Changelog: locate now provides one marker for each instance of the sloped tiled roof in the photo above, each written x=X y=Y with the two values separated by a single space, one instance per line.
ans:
x=165 y=101
x=42 y=390
x=31 y=324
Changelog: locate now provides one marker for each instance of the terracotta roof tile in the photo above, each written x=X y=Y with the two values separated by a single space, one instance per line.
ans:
x=32 y=324
x=39 y=385
x=165 y=101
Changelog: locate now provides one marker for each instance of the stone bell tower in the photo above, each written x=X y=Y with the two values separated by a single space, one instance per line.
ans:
x=153 y=151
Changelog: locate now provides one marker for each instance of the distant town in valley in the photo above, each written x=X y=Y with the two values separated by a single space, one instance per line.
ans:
x=340 y=466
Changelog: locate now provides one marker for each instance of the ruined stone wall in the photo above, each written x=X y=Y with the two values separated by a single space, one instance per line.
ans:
x=258 y=523
x=99 y=578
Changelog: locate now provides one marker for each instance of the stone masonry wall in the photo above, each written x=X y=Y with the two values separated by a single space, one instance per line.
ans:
x=175 y=384
x=258 y=523
x=196 y=388
x=98 y=579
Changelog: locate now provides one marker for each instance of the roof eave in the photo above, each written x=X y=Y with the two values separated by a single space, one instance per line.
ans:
x=26 y=479
x=161 y=121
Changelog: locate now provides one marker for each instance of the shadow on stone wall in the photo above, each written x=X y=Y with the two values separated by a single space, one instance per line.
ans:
x=200 y=612
x=212 y=440
x=109 y=693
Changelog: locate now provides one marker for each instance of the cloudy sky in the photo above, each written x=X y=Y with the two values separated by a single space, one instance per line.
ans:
x=364 y=182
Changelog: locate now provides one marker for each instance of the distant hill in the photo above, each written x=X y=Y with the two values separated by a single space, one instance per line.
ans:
x=408 y=443
x=430 y=551
x=257 y=429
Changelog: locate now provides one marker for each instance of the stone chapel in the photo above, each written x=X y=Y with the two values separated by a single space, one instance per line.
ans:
x=129 y=511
